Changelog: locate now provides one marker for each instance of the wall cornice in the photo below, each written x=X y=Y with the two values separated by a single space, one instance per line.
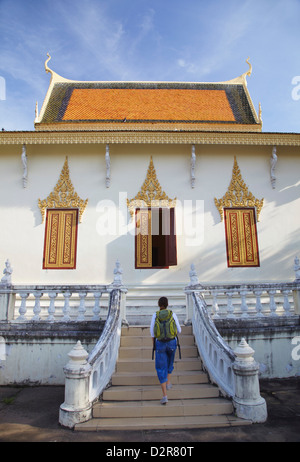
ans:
x=170 y=137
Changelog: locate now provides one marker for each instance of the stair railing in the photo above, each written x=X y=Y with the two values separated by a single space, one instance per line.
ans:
x=87 y=375
x=234 y=371
x=217 y=357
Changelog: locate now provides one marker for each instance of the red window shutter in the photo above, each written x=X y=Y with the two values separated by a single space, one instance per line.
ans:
x=143 y=238
x=241 y=237
x=171 y=249
x=60 y=239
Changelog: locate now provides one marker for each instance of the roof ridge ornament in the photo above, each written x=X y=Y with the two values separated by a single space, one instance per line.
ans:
x=47 y=69
x=63 y=195
x=249 y=71
x=238 y=195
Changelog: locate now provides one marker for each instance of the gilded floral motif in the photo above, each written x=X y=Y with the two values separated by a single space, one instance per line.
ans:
x=63 y=195
x=238 y=194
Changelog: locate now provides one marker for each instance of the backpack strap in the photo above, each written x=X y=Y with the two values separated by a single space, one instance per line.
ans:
x=178 y=345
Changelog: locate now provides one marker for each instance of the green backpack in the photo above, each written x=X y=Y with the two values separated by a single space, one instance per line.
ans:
x=165 y=327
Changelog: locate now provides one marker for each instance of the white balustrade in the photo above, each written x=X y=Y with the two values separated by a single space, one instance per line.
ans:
x=87 y=375
x=60 y=303
x=248 y=301
x=234 y=372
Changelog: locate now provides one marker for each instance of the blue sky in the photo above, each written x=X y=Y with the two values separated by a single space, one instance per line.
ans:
x=152 y=40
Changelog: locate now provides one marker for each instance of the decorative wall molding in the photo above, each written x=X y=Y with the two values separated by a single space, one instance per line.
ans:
x=107 y=161
x=193 y=165
x=273 y=162
x=63 y=195
x=152 y=137
x=24 y=162
x=150 y=194
x=238 y=194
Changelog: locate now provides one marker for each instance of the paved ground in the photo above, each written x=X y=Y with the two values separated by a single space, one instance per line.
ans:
x=31 y=415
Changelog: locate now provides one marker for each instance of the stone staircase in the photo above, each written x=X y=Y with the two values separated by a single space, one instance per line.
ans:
x=132 y=402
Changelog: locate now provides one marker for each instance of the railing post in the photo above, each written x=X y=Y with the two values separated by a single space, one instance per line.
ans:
x=296 y=296
x=66 y=308
x=247 y=401
x=296 y=292
x=76 y=407
x=7 y=303
x=118 y=284
x=188 y=294
x=6 y=298
x=37 y=306
x=23 y=308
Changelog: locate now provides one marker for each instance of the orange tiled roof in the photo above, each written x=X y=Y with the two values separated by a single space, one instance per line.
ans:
x=148 y=104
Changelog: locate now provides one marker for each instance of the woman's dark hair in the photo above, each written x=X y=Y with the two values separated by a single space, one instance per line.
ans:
x=163 y=301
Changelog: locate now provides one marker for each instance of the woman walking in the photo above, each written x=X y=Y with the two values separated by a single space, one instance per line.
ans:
x=163 y=330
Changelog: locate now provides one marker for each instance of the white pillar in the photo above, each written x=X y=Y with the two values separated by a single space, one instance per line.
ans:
x=247 y=401
x=76 y=407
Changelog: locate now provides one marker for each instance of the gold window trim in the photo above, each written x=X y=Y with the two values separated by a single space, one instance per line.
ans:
x=150 y=194
x=63 y=195
x=60 y=239
x=241 y=237
x=238 y=194
x=143 y=239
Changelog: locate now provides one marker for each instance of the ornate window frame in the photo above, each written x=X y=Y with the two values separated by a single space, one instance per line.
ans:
x=238 y=194
x=150 y=197
x=63 y=209
x=242 y=210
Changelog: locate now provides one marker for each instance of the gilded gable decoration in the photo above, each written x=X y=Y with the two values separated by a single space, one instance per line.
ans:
x=150 y=194
x=63 y=195
x=238 y=194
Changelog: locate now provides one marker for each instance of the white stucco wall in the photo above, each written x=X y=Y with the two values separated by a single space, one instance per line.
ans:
x=22 y=231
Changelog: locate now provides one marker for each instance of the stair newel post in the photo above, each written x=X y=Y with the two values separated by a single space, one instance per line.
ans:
x=76 y=407
x=194 y=281
x=118 y=284
x=247 y=401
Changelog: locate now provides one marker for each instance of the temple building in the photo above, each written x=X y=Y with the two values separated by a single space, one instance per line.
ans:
x=128 y=191
x=156 y=175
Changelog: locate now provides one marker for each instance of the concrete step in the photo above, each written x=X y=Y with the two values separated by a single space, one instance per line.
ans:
x=153 y=392
x=148 y=365
x=150 y=378
x=144 y=330
x=160 y=423
x=176 y=408
x=140 y=341
x=132 y=402
x=187 y=351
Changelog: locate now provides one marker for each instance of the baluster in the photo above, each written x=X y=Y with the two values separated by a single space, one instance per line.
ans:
x=286 y=303
x=230 y=307
x=244 y=306
x=272 y=303
x=51 y=309
x=258 y=305
x=215 y=306
x=96 y=309
x=37 y=306
x=23 y=308
x=81 y=309
x=66 y=308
